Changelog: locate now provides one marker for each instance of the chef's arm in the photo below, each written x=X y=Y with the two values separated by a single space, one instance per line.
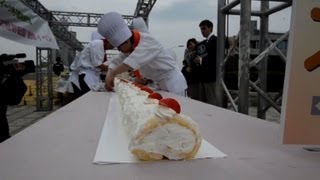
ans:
x=121 y=68
x=103 y=67
x=109 y=82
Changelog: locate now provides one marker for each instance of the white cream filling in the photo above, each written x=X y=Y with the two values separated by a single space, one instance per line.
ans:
x=164 y=112
x=170 y=140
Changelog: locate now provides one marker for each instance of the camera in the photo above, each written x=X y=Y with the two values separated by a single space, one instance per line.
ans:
x=12 y=86
x=8 y=63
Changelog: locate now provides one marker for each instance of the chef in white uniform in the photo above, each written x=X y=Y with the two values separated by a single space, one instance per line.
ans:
x=140 y=25
x=140 y=51
x=88 y=64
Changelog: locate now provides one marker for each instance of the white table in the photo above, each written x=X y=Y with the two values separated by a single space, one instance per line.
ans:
x=63 y=144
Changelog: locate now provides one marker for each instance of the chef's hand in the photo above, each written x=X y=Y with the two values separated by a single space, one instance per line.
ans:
x=109 y=81
x=103 y=67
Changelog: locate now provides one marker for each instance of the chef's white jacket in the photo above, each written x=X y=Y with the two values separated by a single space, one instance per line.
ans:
x=154 y=62
x=86 y=62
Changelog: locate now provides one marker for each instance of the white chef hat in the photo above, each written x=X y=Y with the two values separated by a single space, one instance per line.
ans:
x=96 y=36
x=113 y=27
x=140 y=25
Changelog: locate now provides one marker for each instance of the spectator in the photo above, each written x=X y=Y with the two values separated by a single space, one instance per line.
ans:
x=191 y=69
x=12 y=90
x=58 y=67
x=4 y=126
x=207 y=53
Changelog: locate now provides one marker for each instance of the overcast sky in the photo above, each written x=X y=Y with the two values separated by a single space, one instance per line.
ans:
x=172 y=22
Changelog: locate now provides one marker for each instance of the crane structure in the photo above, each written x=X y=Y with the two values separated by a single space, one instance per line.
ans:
x=144 y=8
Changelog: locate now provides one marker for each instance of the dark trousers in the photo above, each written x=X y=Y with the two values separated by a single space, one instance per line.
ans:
x=4 y=126
x=83 y=85
x=193 y=91
x=208 y=93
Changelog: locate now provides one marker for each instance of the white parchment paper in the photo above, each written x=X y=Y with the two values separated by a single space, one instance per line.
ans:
x=113 y=143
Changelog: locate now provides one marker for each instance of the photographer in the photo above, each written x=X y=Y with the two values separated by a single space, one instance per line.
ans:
x=12 y=86
x=4 y=126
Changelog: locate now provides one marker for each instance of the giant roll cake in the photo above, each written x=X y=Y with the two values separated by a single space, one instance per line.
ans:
x=154 y=125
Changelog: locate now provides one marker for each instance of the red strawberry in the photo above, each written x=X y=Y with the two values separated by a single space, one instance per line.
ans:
x=155 y=96
x=145 y=88
x=171 y=103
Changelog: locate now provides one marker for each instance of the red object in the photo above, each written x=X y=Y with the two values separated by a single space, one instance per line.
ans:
x=137 y=74
x=171 y=103
x=137 y=84
x=145 y=88
x=155 y=96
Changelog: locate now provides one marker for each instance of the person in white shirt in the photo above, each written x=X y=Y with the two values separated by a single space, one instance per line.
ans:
x=140 y=51
x=88 y=64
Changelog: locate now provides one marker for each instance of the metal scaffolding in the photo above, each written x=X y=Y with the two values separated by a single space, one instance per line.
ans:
x=80 y=19
x=266 y=46
x=44 y=56
x=44 y=79
x=144 y=8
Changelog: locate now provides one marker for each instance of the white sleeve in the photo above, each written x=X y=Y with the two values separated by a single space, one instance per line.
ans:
x=146 y=51
x=76 y=62
x=117 y=60
x=97 y=52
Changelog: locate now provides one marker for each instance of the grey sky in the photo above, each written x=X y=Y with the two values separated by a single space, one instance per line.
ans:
x=171 y=22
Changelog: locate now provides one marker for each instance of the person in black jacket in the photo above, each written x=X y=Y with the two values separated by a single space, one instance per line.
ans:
x=191 y=69
x=4 y=126
x=58 y=67
x=12 y=90
x=207 y=53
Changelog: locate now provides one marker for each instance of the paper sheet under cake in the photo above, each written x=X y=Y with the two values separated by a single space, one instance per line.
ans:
x=113 y=143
